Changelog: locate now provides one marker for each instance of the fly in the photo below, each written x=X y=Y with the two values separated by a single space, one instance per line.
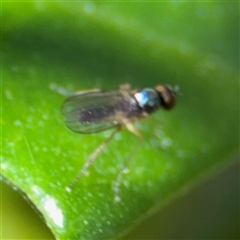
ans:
x=96 y=110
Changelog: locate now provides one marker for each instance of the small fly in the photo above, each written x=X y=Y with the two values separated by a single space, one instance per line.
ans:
x=96 y=110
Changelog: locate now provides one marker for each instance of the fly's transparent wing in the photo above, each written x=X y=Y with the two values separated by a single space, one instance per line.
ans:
x=93 y=111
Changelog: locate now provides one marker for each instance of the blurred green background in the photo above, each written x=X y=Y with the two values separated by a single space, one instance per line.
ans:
x=50 y=49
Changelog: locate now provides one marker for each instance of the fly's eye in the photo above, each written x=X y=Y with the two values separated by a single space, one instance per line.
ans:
x=167 y=96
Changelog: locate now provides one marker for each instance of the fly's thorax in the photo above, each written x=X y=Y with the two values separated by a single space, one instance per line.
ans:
x=148 y=100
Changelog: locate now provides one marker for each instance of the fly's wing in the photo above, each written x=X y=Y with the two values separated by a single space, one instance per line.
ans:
x=91 y=112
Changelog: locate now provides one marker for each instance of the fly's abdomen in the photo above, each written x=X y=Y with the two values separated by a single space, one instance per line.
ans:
x=123 y=110
x=95 y=115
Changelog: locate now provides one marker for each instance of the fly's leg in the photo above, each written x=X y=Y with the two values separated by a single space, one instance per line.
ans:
x=92 y=158
x=124 y=169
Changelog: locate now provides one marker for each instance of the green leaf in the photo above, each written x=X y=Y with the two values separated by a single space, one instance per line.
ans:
x=52 y=49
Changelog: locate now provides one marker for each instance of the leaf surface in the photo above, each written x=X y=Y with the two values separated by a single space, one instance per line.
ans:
x=54 y=49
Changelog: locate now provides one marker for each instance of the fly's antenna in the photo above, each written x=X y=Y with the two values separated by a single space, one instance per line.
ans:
x=176 y=91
